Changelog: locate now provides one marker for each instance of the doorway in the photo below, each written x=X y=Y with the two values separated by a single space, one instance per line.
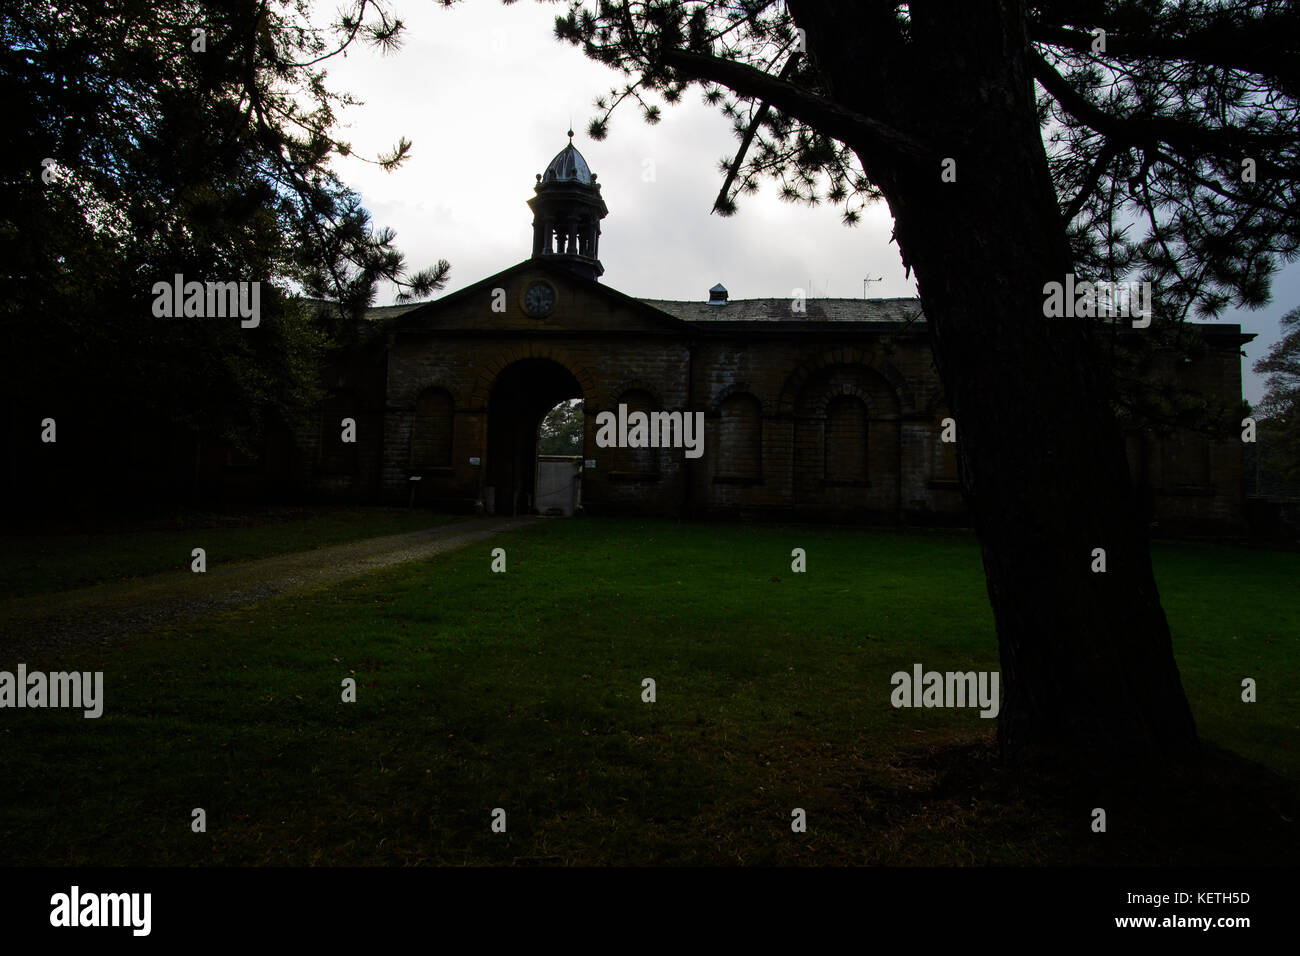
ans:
x=522 y=394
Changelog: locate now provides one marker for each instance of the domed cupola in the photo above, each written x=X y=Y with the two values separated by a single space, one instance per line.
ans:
x=568 y=166
x=567 y=211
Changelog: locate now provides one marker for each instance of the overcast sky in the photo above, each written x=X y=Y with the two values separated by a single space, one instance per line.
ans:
x=487 y=94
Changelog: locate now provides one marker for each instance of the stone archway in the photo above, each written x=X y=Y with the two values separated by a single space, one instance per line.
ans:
x=522 y=393
x=847 y=443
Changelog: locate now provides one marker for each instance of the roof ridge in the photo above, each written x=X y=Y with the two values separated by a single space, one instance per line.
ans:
x=786 y=298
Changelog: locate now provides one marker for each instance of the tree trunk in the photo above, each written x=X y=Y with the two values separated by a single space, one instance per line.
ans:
x=1087 y=661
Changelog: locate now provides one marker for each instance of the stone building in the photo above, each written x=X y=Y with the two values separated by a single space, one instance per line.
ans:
x=826 y=409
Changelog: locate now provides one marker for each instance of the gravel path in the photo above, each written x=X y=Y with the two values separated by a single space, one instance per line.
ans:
x=45 y=622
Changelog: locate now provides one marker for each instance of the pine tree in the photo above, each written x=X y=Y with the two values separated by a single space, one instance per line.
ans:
x=149 y=139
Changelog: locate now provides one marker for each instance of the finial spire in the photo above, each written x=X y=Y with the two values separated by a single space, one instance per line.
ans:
x=570 y=135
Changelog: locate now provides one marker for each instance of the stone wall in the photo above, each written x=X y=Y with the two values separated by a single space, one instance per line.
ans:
x=821 y=420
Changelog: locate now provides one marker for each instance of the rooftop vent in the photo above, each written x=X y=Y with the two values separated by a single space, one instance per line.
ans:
x=718 y=295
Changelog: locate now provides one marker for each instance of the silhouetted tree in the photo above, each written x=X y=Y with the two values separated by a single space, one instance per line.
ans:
x=171 y=137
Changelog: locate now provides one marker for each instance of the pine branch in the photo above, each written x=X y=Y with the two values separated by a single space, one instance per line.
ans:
x=815 y=111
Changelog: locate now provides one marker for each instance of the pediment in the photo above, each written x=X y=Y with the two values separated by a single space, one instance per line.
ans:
x=569 y=303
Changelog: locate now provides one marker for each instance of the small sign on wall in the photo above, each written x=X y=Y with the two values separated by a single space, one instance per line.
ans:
x=590 y=463
x=474 y=461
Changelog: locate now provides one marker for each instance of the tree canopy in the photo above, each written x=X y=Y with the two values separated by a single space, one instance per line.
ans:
x=150 y=139
x=561 y=430
x=1169 y=125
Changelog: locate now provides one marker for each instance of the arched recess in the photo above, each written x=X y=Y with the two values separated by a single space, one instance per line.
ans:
x=735 y=388
x=433 y=429
x=740 y=437
x=634 y=385
x=847 y=438
x=337 y=457
x=847 y=441
x=635 y=462
x=481 y=392
x=895 y=390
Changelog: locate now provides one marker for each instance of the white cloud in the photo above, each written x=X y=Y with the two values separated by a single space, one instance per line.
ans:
x=486 y=94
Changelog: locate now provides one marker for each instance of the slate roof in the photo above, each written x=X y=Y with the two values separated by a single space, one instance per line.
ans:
x=742 y=310
x=779 y=310
x=377 y=313
x=884 y=311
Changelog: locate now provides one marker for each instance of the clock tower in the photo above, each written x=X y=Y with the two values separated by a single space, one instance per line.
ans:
x=567 y=210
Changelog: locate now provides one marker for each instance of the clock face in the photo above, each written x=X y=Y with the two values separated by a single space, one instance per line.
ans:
x=539 y=299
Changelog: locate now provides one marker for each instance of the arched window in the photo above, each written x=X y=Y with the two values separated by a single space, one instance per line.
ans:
x=740 y=437
x=637 y=461
x=846 y=439
x=432 y=430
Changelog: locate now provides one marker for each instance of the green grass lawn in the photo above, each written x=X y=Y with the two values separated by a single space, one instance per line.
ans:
x=523 y=691
x=42 y=563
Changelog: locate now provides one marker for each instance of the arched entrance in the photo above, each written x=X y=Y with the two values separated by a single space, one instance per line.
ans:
x=847 y=443
x=522 y=394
